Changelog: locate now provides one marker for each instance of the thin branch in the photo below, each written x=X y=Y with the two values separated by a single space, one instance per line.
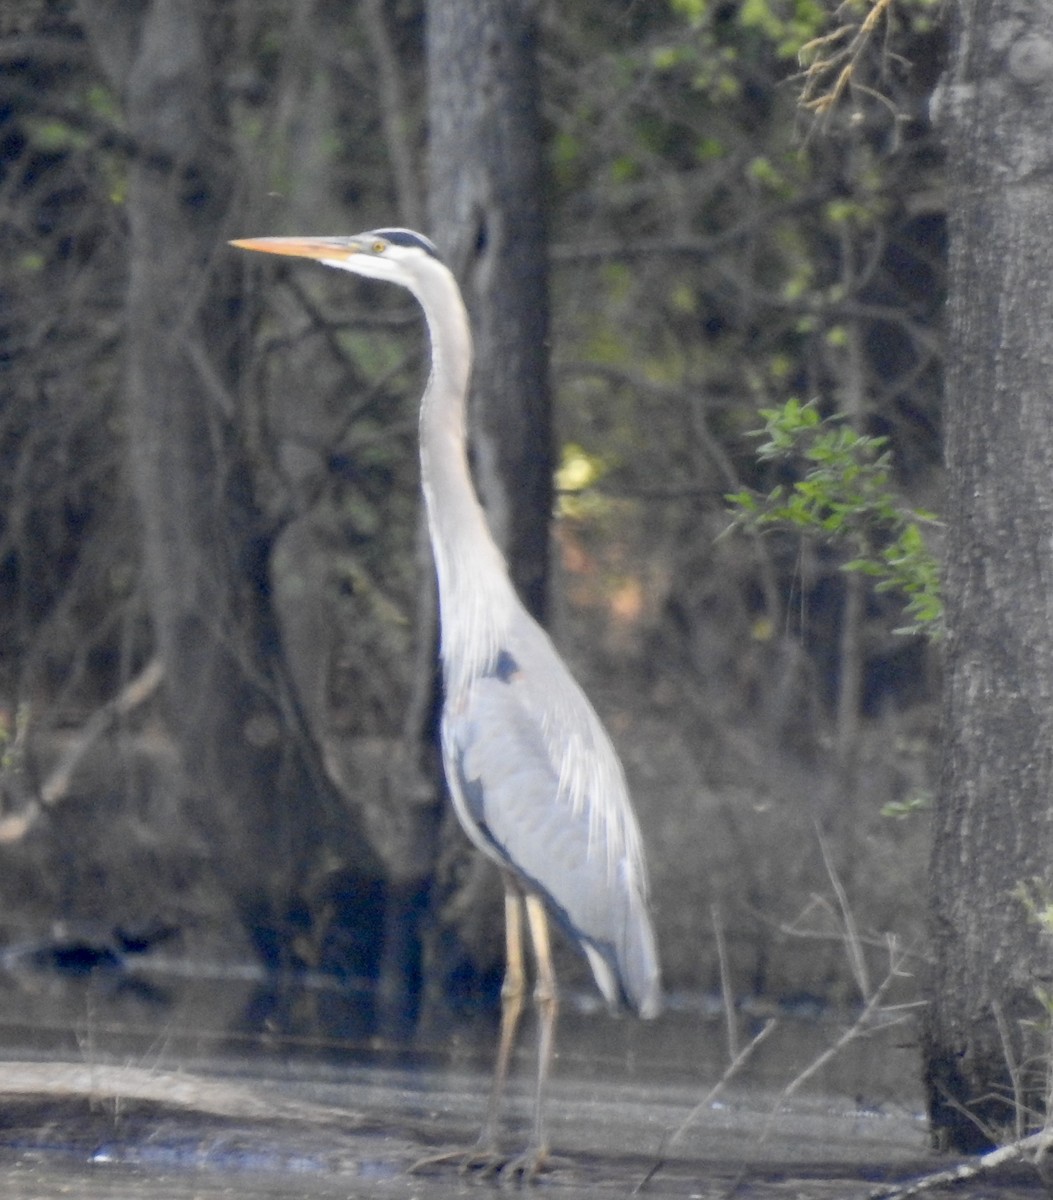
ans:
x=844 y=60
x=1014 y=1152
x=725 y=984
x=57 y=785
x=678 y=246
x=733 y=1069
x=1012 y=1066
x=395 y=113
x=856 y=1030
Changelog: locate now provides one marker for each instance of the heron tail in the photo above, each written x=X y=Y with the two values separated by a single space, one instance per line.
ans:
x=638 y=969
x=626 y=968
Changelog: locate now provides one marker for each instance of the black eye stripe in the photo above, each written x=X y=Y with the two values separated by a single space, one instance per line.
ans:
x=406 y=237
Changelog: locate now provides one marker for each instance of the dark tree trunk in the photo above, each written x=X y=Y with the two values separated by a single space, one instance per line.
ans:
x=257 y=797
x=487 y=216
x=994 y=819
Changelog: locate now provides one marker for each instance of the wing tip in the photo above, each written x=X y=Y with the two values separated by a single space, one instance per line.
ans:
x=652 y=1002
x=640 y=991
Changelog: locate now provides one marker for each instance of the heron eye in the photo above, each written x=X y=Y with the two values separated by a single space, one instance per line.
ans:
x=379 y=247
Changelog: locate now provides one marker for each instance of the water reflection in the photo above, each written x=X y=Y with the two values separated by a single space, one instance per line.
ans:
x=107 y=1081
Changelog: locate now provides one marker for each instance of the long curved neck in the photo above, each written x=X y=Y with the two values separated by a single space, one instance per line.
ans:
x=476 y=597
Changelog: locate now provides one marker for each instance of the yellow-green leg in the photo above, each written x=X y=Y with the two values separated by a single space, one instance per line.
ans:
x=546 y=999
x=486 y=1156
x=513 y=994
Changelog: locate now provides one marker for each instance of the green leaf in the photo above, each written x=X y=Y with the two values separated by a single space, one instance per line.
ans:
x=845 y=496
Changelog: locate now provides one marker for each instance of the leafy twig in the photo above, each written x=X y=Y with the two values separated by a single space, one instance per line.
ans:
x=844 y=493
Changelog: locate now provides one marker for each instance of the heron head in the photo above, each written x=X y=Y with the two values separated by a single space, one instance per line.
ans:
x=395 y=255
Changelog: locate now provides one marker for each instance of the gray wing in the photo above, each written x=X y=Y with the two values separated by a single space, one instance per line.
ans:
x=537 y=785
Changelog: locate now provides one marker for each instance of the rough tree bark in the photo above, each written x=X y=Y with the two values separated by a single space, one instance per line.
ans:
x=994 y=818
x=487 y=216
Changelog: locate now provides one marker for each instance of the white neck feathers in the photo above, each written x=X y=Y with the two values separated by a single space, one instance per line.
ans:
x=476 y=597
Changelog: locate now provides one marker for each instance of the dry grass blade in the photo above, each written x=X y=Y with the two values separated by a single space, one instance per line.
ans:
x=853 y=943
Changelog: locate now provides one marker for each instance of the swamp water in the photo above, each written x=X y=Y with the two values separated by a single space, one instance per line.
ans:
x=107 y=1092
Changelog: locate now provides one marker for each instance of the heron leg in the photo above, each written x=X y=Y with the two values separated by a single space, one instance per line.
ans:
x=546 y=1000
x=513 y=994
x=485 y=1157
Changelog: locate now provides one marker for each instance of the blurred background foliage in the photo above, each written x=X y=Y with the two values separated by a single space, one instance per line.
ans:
x=717 y=251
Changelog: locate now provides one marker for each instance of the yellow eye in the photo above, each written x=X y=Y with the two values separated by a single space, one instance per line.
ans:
x=379 y=247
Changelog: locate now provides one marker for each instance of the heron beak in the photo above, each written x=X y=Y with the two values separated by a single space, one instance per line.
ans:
x=301 y=247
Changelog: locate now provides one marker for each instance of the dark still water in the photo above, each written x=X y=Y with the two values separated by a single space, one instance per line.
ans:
x=107 y=1091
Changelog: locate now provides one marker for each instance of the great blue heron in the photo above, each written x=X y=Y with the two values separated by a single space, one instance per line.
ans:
x=532 y=773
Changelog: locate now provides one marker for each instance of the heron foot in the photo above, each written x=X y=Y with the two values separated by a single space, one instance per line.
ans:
x=486 y=1161
x=527 y=1166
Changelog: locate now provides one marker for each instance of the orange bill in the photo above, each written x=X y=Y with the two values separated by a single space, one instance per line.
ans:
x=300 y=247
